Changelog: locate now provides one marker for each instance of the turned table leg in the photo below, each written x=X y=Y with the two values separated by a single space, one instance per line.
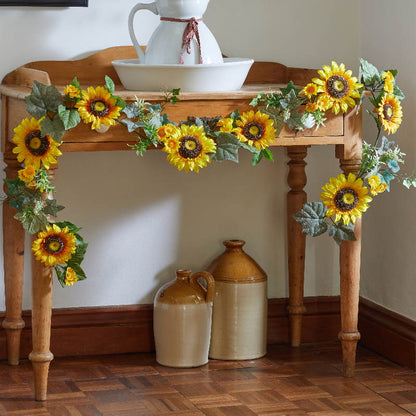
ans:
x=296 y=197
x=350 y=261
x=41 y=355
x=13 y=253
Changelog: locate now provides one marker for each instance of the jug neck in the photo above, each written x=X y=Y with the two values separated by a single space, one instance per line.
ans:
x=182 y=9
x=234 y=245
x=183 y=275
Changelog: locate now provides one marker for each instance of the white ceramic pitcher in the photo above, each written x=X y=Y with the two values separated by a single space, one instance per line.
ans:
x=181 y=37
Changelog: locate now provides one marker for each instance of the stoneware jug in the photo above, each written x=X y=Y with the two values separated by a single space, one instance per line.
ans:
x=182 y=319
x=181 y=37
x=239 y=319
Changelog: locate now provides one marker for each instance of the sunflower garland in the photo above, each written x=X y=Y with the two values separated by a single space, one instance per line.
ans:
x=191 y=145
x=345 y=198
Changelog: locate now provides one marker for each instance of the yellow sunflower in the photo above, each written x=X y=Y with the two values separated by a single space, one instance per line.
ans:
x=98 y=107
x=27 y=174
x=72 y=91
x=388 y=78
x=33 y=148
x=345 y=198
x=377 y=187
x=310 y=90
x=191 y=150
x=311 y=107
x=256 y=129
x=390 y=113
x=54 y=245
x=226 y=125
x=338 y=86
x=166 y=131
x=70 y=276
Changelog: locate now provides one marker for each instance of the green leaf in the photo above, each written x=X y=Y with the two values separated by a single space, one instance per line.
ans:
x=52 y=207
x=369 y=73
x=341 y=232
x=393 y=165
x=312 y=217
x=290 y=88
x=407 y=183
x=387 y=177
x=78 y=270
x=398 y=93
x=60 y=274
x=131 y=125
x=16 y=203
x=132 y=110
x=393 y=71
x=278 y=118
x=32 y=223
x=14 y=186
x=235 y=115
x=268 y=154
x=69 y=116
x=246 y=146
x=227 y=148
x=72 y=228
x=120 y=102
x=79 y=254
x=43 y=99
x=76 y=84
x=54 y=128
x=257 y=157
x=291 y=101
x=255 y=101
x=109 y=84
x=295 y=121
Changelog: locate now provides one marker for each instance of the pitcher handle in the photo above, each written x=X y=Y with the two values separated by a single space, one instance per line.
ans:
x=210 y=290
x=139 y=6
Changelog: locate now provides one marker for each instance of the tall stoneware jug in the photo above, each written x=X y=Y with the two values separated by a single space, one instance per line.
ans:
x=182 y=319
x=239 y=320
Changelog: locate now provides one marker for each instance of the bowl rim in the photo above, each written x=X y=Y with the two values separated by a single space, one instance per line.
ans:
x=134 y=63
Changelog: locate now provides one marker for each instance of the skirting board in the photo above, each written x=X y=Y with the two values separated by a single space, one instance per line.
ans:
x=387 y=333
x=124 y=329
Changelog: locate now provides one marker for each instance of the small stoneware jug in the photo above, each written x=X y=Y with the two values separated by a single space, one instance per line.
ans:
x=182 y=319
x=239 y=319
x=181 y=37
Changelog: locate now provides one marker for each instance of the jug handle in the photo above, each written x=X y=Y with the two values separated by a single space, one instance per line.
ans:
x=140 y=6
x=210 y=290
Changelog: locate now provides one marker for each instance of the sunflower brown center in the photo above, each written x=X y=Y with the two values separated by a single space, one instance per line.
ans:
x=337 y=86
x=54 y=244
x=388 y=112
x=37 y=144
x=253 y=131
x=99 y=108
x=346 y=199
x=190 y=147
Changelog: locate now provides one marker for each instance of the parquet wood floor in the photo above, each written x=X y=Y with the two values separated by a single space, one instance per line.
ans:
x=295 y=382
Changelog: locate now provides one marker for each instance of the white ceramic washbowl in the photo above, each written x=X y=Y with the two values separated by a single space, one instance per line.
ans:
x=226 y=76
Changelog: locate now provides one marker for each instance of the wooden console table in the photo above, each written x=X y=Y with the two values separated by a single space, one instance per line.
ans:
x=343 y=131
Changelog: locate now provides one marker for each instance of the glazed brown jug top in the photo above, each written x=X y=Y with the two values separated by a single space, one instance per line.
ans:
x=187 y=290
x=235 y=265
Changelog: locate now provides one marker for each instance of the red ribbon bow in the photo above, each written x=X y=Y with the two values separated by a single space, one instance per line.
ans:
x=191 y=31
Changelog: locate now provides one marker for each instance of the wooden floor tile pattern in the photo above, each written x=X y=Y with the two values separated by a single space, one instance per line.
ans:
x=292 y=382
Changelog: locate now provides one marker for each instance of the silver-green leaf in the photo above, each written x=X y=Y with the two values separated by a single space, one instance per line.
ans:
x=312 y=217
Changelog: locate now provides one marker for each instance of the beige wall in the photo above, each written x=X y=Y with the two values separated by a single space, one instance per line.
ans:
x=389 y=244
x=142 y=218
